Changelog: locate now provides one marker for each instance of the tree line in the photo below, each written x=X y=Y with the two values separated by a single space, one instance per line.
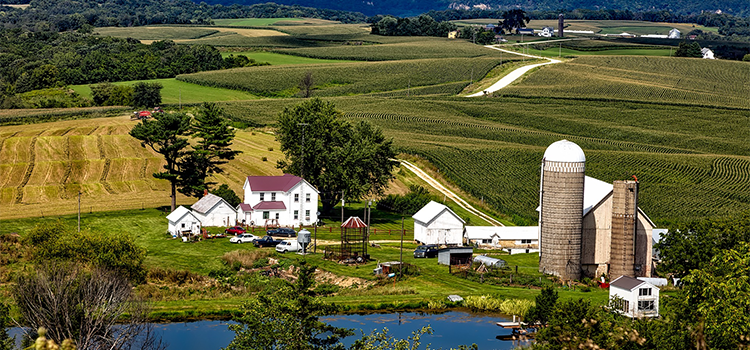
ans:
x=40 y=60
x=423 y=25
x=43 y=15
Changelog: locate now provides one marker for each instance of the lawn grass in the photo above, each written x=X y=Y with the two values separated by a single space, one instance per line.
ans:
x=176 y=92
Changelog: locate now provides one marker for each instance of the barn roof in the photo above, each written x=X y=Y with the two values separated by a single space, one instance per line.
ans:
x=594 y=190
x=205 y=204
x=269 y=205
x=282 y=183
x=354 y=222
x=502 y=232
x=431 y=211
x=179 y=213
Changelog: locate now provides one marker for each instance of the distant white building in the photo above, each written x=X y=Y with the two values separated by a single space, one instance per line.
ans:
x=287 y=200
x=707 y=53
x=437 y=224
x=182 y=220
x=213 y=210
x=547 y=32
x=514 y=239
x=674 y=33
x=634 y=297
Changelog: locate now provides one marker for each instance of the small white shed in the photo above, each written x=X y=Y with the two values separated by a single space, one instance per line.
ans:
x=515 y=239
x=213 y=210
x=245 y=213
x=183 y=220
x=437 y=224
x=634 y=297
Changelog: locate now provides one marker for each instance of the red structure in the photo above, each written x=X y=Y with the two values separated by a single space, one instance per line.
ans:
x=353 y=248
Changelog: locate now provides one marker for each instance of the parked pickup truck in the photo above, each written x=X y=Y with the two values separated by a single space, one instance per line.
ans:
x=266 y=241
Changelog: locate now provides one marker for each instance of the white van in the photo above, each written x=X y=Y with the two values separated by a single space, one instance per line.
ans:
x=288 y=246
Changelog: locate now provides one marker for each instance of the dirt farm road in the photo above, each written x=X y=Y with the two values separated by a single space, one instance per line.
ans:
x=448 y=193
x=514 y=75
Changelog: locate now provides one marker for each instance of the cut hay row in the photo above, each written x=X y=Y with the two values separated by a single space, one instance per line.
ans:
x=29 y=170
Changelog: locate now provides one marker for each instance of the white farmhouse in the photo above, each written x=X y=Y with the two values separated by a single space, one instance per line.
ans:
x=286 y=200
x=437 y=224
x=182 y=220
x=514 y=239
x=634 y=298
x=707 y=53
x=213 y=210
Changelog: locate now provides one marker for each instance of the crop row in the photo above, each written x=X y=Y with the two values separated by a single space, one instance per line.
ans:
x=346 y=78
x=659 y=79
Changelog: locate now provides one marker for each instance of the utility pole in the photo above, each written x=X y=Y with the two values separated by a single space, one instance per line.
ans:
x=79 y=211
x=342 y=207
x=401 y=264
x=369 y=215
x=302 y=163
x=315 y=228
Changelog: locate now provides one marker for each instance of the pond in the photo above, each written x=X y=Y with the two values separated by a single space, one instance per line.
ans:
x=450 y=329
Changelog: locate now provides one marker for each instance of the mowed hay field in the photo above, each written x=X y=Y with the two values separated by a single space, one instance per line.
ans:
x=45 y=165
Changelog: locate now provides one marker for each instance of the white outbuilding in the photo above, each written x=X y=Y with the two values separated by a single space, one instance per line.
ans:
x=182 y=220
x=437 y=224
x=514 y=239
x=634 y=298
x=213 y=210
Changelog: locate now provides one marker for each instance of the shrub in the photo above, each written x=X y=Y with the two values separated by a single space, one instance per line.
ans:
x=247 y=258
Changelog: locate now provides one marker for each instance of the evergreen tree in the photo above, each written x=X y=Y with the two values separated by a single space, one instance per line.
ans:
x=166 y=135
x=230 y=196
x=545 y=304
x=212 y=149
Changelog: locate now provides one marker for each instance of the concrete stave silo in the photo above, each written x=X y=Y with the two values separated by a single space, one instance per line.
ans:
x=624 y=229
x=561 y=210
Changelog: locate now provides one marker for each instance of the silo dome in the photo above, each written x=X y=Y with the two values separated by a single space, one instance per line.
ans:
x=564 y=151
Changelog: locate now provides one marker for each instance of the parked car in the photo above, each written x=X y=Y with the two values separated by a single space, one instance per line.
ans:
x=236 y=230
x=288 y=246
x=426 y=251
x=266 y=241
x=282 y=232
x=243 y=238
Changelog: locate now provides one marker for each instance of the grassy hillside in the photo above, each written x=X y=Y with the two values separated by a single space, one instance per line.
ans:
x=175 y=92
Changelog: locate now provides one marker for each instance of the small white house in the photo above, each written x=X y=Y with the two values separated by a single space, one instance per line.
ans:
x=182 y=220
x=437 y=224
x=515 y=239
x=547 y=32
x=213 y=210
x=674 y=33
x=707 y=53
x=634 y=297
x=287 y=200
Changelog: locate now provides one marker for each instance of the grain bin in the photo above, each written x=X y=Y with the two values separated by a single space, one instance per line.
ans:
x=561 y=210
x=624 y=226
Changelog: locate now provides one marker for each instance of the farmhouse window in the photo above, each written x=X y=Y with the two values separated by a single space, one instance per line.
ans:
x=646 y=305
x=486 y=241
x=307 y=214
x=266 y=215
x=644 y=291
x=296 y=197
x=626 y=305
x=273 y=196
x=525 y=241
x=277 y=216
x=296 y=214
x=183 y=225
x=307 y=197
x=262 y=196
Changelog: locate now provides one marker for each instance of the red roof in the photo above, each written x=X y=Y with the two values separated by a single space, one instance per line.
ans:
x=268 y=205
x=144 y=113
x=273 y=183
x=353 y=222
x=246 y=207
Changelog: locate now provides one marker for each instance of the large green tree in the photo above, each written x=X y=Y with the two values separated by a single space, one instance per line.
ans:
x=513 y=19
x=337 y=157
x=213 y=148
x=146 y=95
x=166 y=135
x=287 y=318
x=542 y=309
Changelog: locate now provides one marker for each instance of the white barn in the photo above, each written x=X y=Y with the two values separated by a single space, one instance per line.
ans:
x=634 y=297
x=437 y=224
x=287 y=200
x=213 y=210
x=515 y=239
x=183 y=220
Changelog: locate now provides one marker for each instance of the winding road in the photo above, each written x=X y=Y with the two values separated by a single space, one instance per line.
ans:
x=514 y=75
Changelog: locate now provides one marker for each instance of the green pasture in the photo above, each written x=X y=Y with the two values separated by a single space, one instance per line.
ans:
x=175 y=92
x=565 y=52
x=346 y=78
x=277 y=59
x=157 y=32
